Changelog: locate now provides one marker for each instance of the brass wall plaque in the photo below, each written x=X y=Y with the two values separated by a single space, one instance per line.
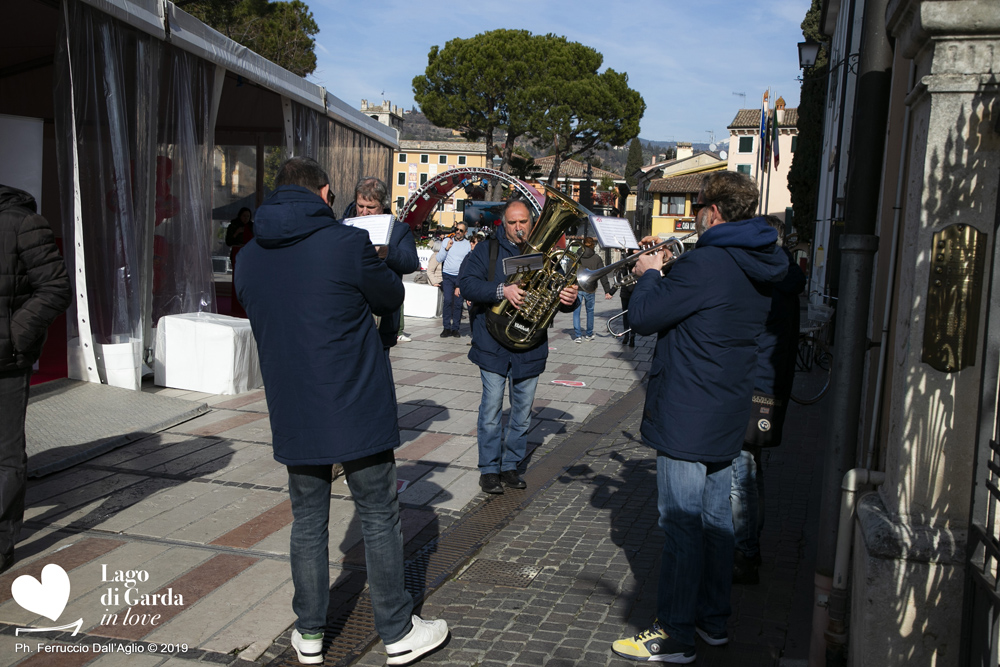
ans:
x=953 y=294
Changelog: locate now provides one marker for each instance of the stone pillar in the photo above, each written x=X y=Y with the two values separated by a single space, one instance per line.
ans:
x=908 y=572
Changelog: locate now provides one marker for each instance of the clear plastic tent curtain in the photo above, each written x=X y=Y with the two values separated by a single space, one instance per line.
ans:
x=107 y=73
x=143 y=144
x=182 y=223
x=346 y=154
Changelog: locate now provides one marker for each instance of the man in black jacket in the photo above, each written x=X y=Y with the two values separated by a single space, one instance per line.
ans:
x=34 y=289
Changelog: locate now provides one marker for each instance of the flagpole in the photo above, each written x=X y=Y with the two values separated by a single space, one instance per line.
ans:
x=762 y=132
x=762 y=161
x=767 y=197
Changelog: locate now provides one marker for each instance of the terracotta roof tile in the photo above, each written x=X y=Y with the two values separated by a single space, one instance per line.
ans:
x=409 y=145
x=574 y=169
x=676 y=185
x=751 y=118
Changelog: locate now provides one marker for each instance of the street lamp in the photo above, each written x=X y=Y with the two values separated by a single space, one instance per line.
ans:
x=808 y=52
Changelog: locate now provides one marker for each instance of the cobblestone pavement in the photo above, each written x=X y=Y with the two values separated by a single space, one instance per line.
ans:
x=202 y=508
x=586 y=551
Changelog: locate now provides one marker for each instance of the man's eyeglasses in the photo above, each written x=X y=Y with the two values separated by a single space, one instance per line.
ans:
x=696 y=206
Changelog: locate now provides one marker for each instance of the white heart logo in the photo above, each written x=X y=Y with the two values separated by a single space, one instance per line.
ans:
x=47 y=598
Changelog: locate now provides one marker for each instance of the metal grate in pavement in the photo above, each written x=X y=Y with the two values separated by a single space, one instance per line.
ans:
x=352 y=631
x=498 y=573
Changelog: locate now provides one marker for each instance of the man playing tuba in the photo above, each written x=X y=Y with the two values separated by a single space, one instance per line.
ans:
x=483 y=285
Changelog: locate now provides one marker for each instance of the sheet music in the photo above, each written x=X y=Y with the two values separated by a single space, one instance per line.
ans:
x=613 y=232
x=379 y=227
x=532 y=262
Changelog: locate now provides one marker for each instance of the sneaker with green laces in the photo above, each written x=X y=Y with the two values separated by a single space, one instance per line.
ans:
x=654 y=645
x=308 y=647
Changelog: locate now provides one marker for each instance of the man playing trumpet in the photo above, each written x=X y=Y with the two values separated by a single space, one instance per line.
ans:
x=706 y=313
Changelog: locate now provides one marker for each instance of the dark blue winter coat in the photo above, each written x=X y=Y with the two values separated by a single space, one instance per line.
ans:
x=402 y=259
x=778 y=342
x=707 y=313
x=475 y=286
x=310 y=285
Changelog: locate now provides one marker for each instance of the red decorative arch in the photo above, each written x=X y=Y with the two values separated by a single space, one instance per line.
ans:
x=422 y=203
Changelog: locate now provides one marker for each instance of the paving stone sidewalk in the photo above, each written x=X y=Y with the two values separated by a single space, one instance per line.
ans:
x=587 y=552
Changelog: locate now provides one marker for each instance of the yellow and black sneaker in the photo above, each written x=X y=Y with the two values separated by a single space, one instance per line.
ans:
x=655 y=645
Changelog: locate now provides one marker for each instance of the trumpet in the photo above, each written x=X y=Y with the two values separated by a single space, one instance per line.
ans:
x=620 y=273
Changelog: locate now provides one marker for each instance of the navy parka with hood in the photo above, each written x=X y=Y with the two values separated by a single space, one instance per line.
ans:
x=474 y=284
x=310 y=286
x=707 y=313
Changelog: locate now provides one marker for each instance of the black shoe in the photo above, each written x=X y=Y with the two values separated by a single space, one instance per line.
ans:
x=455 y=334
x=512 y=480
x=490 y=483
x=445 y=333
x=745 y=569
x=625 y=340
x=631 y=341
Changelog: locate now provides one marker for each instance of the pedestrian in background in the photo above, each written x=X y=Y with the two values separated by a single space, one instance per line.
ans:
x=589 y=259
x=451 y=255
x=34 y=290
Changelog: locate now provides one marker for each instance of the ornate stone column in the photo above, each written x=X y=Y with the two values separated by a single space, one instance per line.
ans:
x=908 y=572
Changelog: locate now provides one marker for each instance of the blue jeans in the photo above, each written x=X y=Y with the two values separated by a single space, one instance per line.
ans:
x=372 y=481
x=747 y=499
x=586 y=301
x=451 y=311
x=696 y=567
x=501 y=454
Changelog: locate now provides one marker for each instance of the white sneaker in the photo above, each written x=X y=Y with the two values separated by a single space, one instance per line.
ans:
x=590 y=337
x=577 y=340
x=424 y=637
x=310 y=651
x=403 y=338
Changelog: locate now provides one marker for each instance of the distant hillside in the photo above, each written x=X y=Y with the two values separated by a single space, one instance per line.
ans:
x=416 y=127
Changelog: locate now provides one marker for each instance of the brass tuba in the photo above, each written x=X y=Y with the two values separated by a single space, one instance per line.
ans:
x=523 y=329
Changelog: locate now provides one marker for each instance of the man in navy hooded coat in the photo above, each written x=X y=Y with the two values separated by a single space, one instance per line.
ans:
x=706 y=312
x=310 y=286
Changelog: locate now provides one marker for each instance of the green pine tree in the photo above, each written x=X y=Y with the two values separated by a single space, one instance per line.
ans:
x=634 y=162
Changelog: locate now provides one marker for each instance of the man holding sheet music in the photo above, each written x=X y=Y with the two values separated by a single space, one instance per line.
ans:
x=483 y=283
x=399 y=252
x=310 y=286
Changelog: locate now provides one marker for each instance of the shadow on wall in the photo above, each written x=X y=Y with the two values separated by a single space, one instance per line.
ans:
x=935 y=473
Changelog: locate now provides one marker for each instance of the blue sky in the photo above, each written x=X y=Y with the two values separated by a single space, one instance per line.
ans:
x=686 y=57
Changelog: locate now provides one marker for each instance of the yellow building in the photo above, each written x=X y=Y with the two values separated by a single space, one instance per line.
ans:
x=417 y=162
x=672 y=198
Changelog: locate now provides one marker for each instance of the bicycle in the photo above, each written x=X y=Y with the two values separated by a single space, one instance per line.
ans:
x=813 y=358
